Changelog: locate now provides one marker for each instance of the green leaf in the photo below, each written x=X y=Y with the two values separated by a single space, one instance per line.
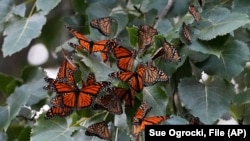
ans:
x=6 y=8
x=219 y=22
x=232 y=60
x=14 y=103
x=241 y=6
x=100 y=69
x=208 y=102
x=55 y=129
x=121 y=22
x=28 y=94
x=25 y=134
x=156 y=97
x=46 y=5
x=20 y=33
x=242 y=98
x=237 y=111
x=97 y=10
x=176 y=120
x=164 y=26
x=7 y=83
x=3 y=136
x=132 y=33
x=20 y=10
x=214 y=46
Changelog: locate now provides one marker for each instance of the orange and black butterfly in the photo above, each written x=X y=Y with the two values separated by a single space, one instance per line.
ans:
x=73 y=97
x=152 y=75
x=108 y=49
x=186 y=33
x=86 y=44
x=99 y=129
x=140 y=120
x=167 y=52
x=58 y=111
x=65 y=73
x=125 y=57
x=123 y=94
x=103 y=25
x=134 y=78
x=194 y=12
x=146 y=35
x=109 y=102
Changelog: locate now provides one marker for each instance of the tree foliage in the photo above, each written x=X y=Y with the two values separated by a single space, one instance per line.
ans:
x=219 y=48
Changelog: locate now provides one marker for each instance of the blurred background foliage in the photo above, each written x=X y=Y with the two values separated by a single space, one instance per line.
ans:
x=211 y=81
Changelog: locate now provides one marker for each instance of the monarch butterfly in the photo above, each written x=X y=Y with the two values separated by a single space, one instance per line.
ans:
x=145 y=35
x=134 y=78
x=65 y=73
x=110 y=103
x=186 y=33
x=124 y=94
x=99 y=129
x=102 y=24
x=152 y=75
x=58 y=111
x=167 y=52
x=91 y=80
x=90 y=46
x=194 y=12
x=57 y=100
x=73 y=97
x=140 y=119
x=141 y=112
x=125 y=58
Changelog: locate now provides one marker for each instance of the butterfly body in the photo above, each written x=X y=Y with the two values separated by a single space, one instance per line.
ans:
x=186 y=33
x=140 y=120
x=133 y=78
x=99 y=129
x=167 y=52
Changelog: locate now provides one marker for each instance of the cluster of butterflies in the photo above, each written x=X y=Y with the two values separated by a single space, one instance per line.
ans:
x=70 y=97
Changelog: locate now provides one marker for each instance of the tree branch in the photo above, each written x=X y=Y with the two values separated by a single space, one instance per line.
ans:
x=164 y=12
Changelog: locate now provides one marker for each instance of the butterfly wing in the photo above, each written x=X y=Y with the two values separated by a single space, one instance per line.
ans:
x=110 y=103
x=194 y=12
x=167 y=52
x=138 y=128
x=186 y=33
x=141 y=112
x=58 y=111
x=90 y=80
x=136 y=82
x=125 y=58
x=69 y=99
x=64 y=75
x=99 y=129
x=123 y=76
x=123 y=94
x=103 y=25
x=83 y=41
x=152 y=75
x=145 y=35
x=99 y=46
x=86 y=93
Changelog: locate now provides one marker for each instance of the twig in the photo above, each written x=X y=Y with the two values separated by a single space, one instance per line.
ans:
x=164 y=12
